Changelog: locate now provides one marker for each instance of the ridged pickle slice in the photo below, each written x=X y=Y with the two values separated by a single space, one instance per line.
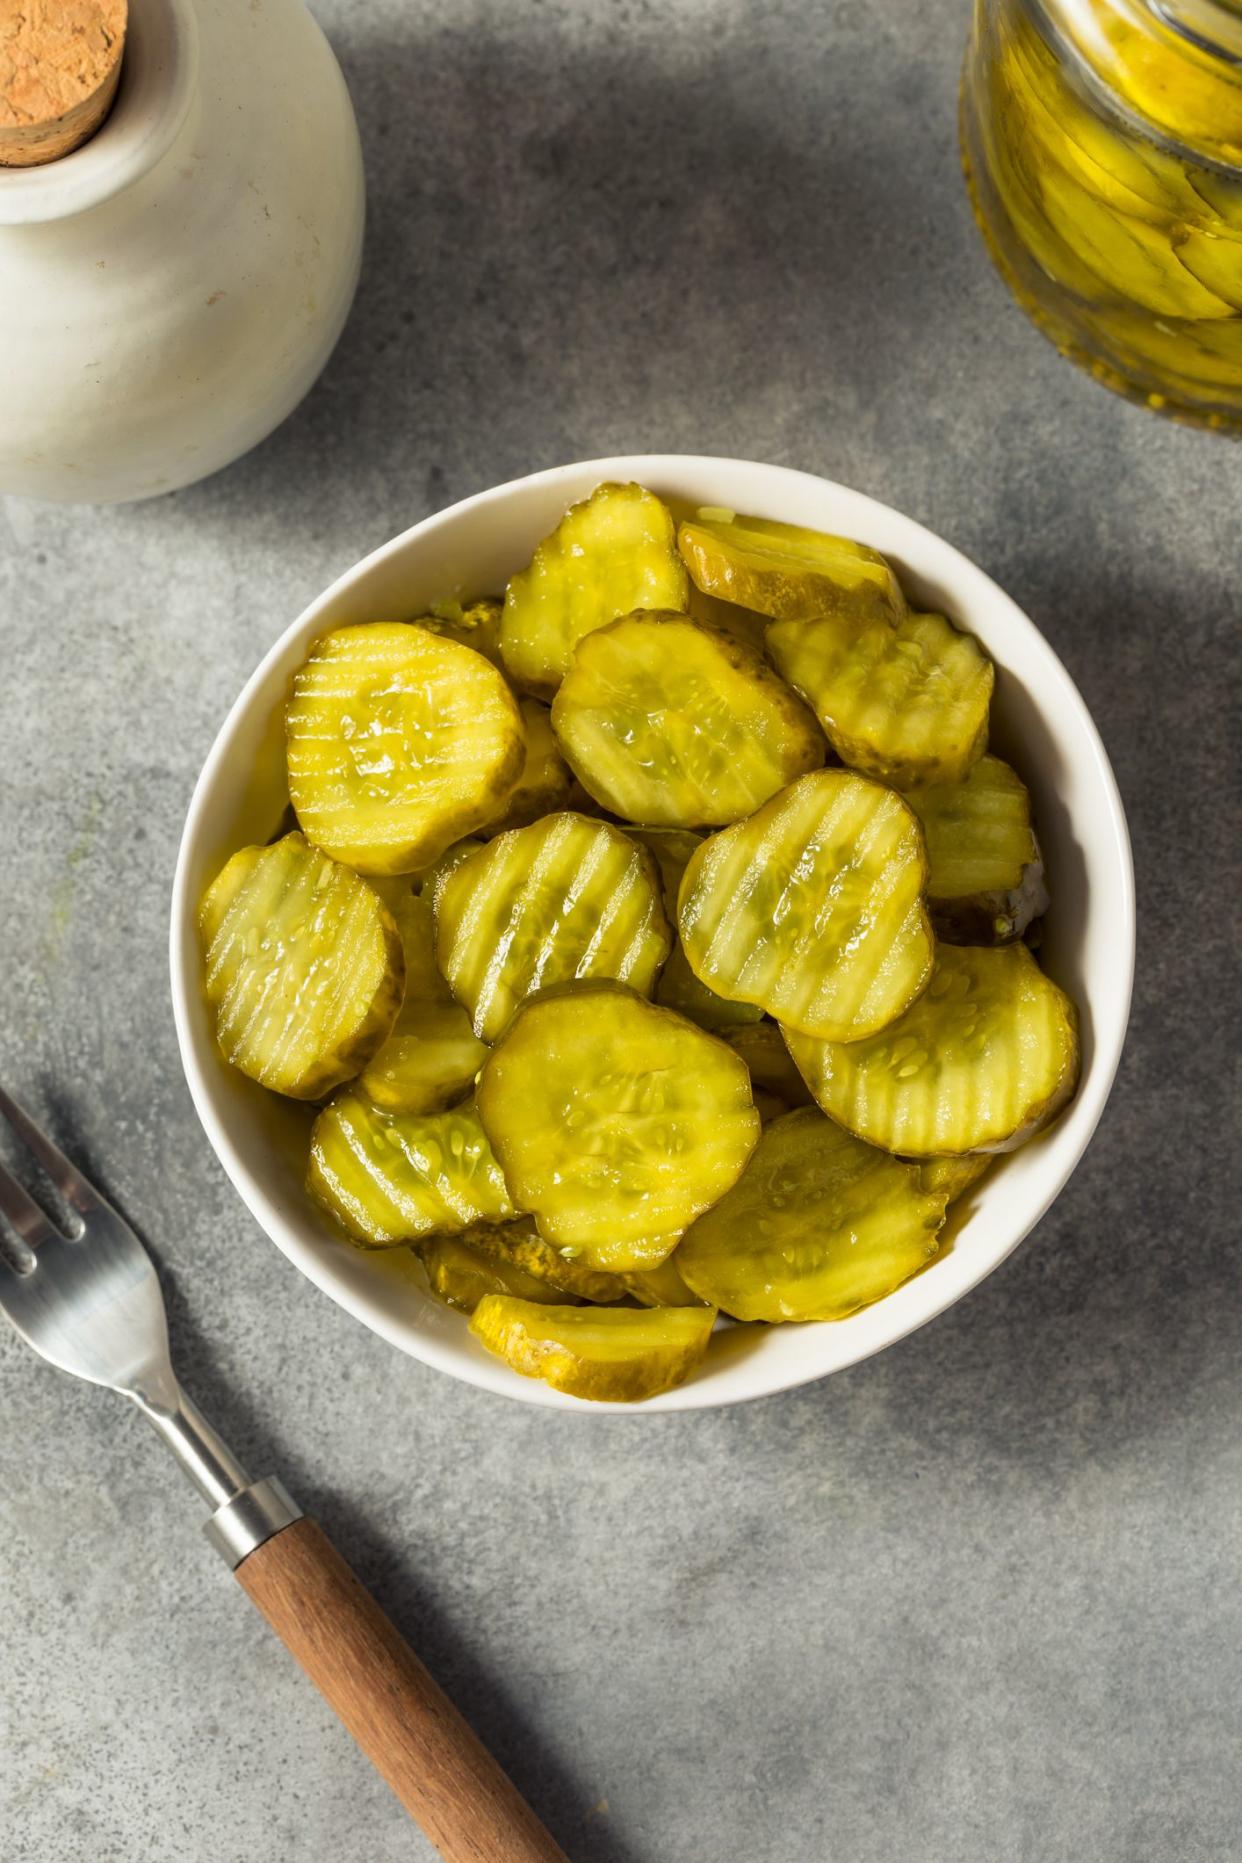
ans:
x=672 y=723
x=461 y=1275
x=398 y=744
x=813 y=908
x=428 y=1063
x=428 y=880
x=520 y=1246
x=616 y=1122
x=678 y=987
x=394 y=1177
x=661 y=1286
x=907 y=704
x=817 y=1226
x=543 y=786
x=614 y=552
x=616 y=1356
x=788 y=573
x=762 y=1047
x=304 y=967
x=473 y=624
x=565 y=898
x=985 y=879
x=987 y=1056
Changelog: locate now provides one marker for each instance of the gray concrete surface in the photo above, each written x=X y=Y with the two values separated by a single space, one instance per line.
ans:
x=976 y=1600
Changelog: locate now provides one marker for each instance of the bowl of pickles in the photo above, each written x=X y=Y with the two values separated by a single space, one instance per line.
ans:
x=653 y=934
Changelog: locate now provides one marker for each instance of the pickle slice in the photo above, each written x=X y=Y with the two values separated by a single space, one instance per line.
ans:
x=951 y=1178
x=745 y=624
x=521 y=1246
x=813 y=908
x=985 y=879
x=906 y=704
x=678 y=987
x=987 y=1056
x=616 y=1122
x=398 y=743
x=787 y=573
x=543 y=786
x=304 y=967
x=461 y=1276
x=817 y=1226
x=668 y=722
x=473 y=624
x=429 y=880
x=394 y=1177
x=617 y=1356
x=614 y=552
x=565 y=898
x=429 y=1062
x=763 y=1049
x=660 y=1287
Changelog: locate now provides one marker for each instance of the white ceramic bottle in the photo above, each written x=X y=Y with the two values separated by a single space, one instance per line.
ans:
x=170 y=290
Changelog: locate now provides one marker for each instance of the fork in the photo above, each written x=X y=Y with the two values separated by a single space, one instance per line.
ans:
x=90 y=1304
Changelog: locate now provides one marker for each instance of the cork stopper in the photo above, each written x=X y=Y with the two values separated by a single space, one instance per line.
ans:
x=60 y=61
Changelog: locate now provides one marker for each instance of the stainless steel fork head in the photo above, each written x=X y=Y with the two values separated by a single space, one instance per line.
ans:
x=90 y=1304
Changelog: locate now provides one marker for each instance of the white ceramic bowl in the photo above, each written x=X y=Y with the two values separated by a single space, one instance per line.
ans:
x=1039 y=722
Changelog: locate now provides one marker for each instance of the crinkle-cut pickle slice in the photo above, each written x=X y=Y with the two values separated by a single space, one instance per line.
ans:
x=817 y=1226
x=987 y=1056
x=678 y=987
x=614 y=552
x=953 y=1177
x=394 y=1177
x=428 y=880
x=616 y=1122
x=472 y=624
x=521 y=1246
x=565 y=898
x=985 y=880
x=788 y=573
x=398 y=743
x=660 y=1287
x=429 y=1062
x=907 y=704
x=762 y=1047
x=615 y=1355
x=543 y=786
x=671 y=723
x=812 y=909
x=303 y=967
x=461 y=1275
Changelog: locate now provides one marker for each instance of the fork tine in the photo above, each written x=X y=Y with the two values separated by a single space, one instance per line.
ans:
x=23 y=1212
x=69 y=1181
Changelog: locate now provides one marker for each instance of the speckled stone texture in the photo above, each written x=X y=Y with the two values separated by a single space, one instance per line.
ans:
x=975 y=1601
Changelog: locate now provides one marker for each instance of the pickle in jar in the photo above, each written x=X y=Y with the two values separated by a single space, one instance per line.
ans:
x=389 y=1178
x=985 y=881
x=304 y=969
x=614 y=552
x=817 y=1226
x=398 y=744
x=812 y=909
x=616 y=1122
x=616 y=1355
x=985 y=1058
x=462 y=1275
x=566 y=898
x=673 y=724
x=908 y=705
x=788 y=573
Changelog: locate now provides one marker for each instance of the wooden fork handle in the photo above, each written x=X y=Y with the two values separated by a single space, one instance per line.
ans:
x=401 y=1719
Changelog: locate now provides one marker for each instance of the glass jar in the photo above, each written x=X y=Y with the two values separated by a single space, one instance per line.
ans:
x=1102 y=142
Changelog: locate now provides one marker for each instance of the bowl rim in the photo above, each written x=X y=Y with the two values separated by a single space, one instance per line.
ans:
x=491 y=1375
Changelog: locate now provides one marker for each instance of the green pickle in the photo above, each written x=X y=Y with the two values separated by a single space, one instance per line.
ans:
x=907 y=704
x=304 y=967
x=520 y=1246
x=812 y=909
x=473 y=624
x=462 y=1275
x=432 y=1055
x=615 y=1356
x=985 y=1058
x=616 y=1122
x=564 y=899
x=389 y=1178
x=762 y=1047
x=398 y=743
x=661 y=1286
x=788 y=573
x=817 y=1226
x=668 y=722
x=678 y=987
x=985 y=882
x=614 y=552
x=543 y=785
